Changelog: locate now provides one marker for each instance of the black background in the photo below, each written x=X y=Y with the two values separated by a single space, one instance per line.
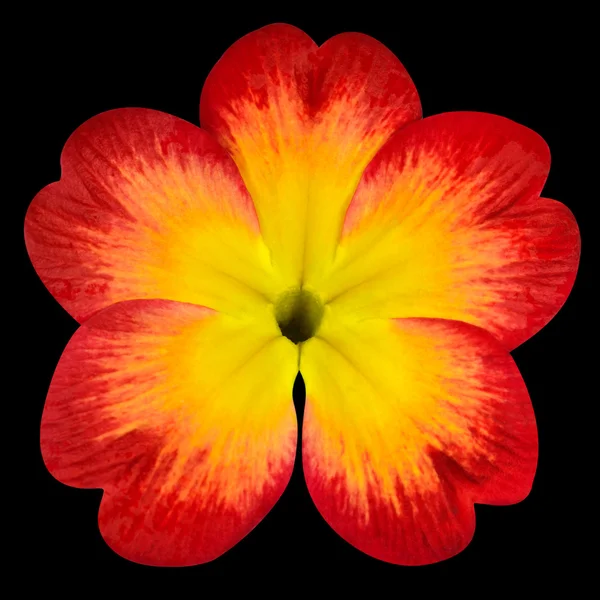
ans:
x=67 y=70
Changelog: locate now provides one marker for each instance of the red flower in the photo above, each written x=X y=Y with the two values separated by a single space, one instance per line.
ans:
x=314 y=223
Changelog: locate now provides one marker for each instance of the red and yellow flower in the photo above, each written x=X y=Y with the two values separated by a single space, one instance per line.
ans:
x=314 y=223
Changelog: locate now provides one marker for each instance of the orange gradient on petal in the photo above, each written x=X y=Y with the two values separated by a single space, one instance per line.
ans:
x=302 y=123
x=148 y=206
x=184 y=416
x=407 y=424
x=447 y=223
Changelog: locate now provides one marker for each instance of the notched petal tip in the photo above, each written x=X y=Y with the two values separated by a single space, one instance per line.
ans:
x=447 y=222
x=183 y=416
x=302 y=122
x=407 y=424
x=148 y=206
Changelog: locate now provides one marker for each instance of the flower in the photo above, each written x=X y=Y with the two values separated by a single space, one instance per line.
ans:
x=315 y=223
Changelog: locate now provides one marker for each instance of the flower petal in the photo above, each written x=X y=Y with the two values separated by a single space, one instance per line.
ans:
x=447 y=223
x=302 y=123
x=148 y=206
x=184 y=416
x=408 y=423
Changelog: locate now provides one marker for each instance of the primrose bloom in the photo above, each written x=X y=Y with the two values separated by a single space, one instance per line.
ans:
x=315 y=223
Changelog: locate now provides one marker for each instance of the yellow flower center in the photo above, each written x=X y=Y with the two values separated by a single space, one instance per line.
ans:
x=298 y=313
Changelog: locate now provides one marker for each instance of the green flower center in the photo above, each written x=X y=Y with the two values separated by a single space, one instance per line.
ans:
x=298 y=314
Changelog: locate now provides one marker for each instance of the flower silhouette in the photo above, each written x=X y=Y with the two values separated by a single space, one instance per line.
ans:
x=315 y=223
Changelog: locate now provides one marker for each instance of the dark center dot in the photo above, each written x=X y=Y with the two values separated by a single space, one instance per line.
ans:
x=298 y=313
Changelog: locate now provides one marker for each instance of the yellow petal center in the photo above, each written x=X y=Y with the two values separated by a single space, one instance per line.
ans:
x=298 y=313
